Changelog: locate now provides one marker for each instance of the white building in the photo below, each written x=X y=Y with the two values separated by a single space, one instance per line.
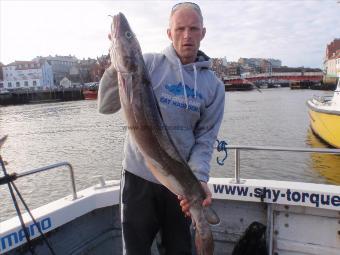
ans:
x=337 y=63
x=332 y=66
x=65 y=83
x=28 y=74
x=60 y=65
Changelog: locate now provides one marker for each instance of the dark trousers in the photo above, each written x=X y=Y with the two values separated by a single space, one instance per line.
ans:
x=146 y=209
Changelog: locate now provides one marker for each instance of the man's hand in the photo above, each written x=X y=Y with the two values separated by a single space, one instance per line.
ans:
x=184 y=203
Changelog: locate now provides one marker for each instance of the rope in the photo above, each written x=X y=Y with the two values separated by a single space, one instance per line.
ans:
x=222 y=146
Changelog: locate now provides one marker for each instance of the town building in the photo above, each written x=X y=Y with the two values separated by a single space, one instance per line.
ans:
x=331 y=62
x=274 y=62
x=80 y=73
x=97 y=70
x=65 y=83
x=28 y=74
x=219 y=66
x=332 y=48
x=61 y=66
x=337 y=61
x=265 y=66
x=233 y=69
x=85 y=66
x=260 y=64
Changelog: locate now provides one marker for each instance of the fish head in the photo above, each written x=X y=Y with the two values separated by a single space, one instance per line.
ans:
x=125 y=50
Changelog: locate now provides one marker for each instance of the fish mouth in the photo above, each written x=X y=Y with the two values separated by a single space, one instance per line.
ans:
x=116 y=24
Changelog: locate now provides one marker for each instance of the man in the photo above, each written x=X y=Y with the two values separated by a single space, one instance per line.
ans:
x=191 y=101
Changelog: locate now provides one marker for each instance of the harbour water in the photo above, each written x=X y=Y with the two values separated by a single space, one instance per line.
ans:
x=43 y=134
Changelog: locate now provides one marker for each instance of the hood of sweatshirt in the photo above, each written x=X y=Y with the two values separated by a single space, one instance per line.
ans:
x=202 y=62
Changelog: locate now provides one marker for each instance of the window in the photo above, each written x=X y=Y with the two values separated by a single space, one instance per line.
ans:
x=17 y=84
x=9 y=84
x=34 y=83
x=26 y=83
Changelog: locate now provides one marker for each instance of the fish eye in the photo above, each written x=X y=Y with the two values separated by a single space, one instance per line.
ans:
x=128 y=35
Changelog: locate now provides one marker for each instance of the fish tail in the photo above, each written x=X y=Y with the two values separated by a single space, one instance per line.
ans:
x=204 y=243
x=203 y=236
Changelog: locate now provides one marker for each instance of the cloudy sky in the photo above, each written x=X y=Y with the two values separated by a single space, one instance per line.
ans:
x=294 y=31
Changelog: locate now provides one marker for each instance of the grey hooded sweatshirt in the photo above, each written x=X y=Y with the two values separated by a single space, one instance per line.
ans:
x=191 y=101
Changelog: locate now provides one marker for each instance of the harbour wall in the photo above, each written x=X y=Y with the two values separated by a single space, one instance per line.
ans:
x=26 y=97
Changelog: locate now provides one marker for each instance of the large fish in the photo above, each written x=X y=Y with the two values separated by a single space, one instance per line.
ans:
x=149 y=131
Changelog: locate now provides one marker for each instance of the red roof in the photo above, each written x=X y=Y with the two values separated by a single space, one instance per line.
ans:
x=332 y=48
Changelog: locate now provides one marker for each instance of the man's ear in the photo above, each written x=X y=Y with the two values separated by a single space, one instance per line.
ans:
x=203 y=32
x=168 y=31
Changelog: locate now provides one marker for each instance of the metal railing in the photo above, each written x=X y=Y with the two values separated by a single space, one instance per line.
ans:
x=238 y=149
x=14 y=176
x=57 y=165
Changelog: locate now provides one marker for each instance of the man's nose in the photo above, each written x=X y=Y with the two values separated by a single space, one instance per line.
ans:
x=187 y=33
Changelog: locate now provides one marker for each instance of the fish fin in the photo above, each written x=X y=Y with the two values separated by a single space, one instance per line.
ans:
x=211 y=216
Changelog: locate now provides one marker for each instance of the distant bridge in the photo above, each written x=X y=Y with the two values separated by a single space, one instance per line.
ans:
x=274 y=77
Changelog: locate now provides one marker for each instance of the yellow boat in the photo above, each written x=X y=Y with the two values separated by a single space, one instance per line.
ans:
x=327 y=165
x=325 y=117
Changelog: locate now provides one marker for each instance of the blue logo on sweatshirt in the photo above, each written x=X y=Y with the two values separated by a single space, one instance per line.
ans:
x=177 y=90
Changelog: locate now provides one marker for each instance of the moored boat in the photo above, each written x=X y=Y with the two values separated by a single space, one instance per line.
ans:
x=91 y=92
x=324 y=116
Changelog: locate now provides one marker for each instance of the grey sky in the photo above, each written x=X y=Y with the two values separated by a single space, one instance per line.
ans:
x=295 y=31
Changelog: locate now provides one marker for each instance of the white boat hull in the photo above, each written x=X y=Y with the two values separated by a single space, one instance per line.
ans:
x=301 y=218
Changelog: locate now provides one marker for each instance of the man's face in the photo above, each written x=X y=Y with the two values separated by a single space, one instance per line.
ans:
x=186 y=33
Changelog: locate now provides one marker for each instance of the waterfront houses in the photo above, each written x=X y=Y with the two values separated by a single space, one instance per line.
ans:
x=61 y=66
x=332 y=62
x=27 y=75
x=219 y=65
x=332 y=67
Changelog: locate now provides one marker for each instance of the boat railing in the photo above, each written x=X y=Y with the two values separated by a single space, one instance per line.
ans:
x=239 y=148
x=323 y=99
x=14 y=176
